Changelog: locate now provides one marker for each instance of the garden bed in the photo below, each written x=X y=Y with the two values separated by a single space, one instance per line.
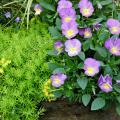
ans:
x=61 y=110
x=57 y=50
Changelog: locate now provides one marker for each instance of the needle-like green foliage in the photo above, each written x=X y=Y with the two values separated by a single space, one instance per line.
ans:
x=21 y=81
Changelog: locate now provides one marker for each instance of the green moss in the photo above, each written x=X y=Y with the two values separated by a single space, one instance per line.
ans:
x=22 y=80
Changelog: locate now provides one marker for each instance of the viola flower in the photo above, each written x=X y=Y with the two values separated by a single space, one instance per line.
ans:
x=96 y=26
x=91 y=66
x=113 y=45
x=114 y=26
x=86 y=8
x=63 y=4
x=105 y=83
x=68 y=15
x=7 y=15
x=69 y=30
x=73 y=47
x=67 y=19
x=67 y=12
x=17 y=19
x=118 y=81
x=81 y=31
x=37 y=9
x=87 y=33
x=58 y=46
x=58 y=79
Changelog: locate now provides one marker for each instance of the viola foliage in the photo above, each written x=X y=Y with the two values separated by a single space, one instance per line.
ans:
x=88 y=50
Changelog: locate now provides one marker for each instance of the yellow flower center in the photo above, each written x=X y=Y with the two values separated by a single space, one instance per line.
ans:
x=57 y=80
x=59 y=49
x=90 y=70
x=87 y=33
x=70 y=32
x=72 y=49
x=114 y=50
x=67 y=19
x=86 y=11
x=114 y=29
x=37 y=11
x=106 y=86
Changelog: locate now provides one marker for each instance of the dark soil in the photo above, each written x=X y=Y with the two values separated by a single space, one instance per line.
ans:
x=60 y=110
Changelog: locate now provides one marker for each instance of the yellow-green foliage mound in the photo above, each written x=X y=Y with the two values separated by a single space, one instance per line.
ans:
x=23 y=71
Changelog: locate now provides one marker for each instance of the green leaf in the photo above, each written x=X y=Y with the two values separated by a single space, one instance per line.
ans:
x=54 y=32
x=102 y=51
x=106 y=2
x=86 y=45
x=117 y=88
x=119 y=16
x=97 y=20
x=118 y=109
x=59 y=70
x=58 y=23
x=51 y=52
x=86 y=99
x=82 y=55
x=53 y=66
x=80 y=65
x=98 y=103
x=104 y=34
x=69 y=93
x=82 y=82
x=47 y=5
x=58 y=93
x=118 y=99
x=108 y=70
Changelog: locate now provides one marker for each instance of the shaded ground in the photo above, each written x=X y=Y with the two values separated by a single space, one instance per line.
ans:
x=62 y=111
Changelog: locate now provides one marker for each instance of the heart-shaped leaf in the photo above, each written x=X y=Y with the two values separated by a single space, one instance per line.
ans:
x=98 y=103
x=82 y=82
x=86 y=99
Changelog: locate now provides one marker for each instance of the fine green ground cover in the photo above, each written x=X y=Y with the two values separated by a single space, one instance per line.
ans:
x=23 y=71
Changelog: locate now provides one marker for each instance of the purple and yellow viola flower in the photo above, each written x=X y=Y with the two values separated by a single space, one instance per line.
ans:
x=105 y=83
x=85 y=32
x=113 y=45
x=113 y=25
x=69 y=30
x=67 y=12
x=63 y=4
x=86 y=8
x=58 y=45
x=73 y=47
x=97 y=26
x=68 y=15
x=81 y=31
x=38 y=9
x=91 y=67
x=58 y=79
